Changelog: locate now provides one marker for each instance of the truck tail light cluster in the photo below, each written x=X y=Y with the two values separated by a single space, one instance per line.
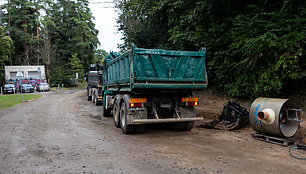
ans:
x=137 y=102
x=190 y=101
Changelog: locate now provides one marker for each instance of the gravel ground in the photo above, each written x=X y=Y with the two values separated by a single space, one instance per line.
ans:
x=63 y=133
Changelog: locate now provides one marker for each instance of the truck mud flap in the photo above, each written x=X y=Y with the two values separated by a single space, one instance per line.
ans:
x=166 y=120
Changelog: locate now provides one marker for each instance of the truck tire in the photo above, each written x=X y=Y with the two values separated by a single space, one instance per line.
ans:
x=97 y=101
x=139 y=128
x=105 y=112
x=93 y=97
x=185 y=112
x=182 y=126
x=88 y=96
x=188 y=125
x=177 y=126
x=126 y=129
x=116 y=113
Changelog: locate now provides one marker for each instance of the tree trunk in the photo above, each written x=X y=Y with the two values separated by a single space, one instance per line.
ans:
x=37 y=32
x=26 y=45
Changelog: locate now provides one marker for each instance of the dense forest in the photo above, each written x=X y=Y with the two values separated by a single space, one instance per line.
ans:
x=254 y=48
x=58 y=34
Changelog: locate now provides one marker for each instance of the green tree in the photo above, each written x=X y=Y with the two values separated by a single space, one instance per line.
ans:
x=6 y=48
x=144 y=23
x=67 y=28
x=100 y=55
x=48 y=50
x=73 y=30
x=75 y=65
x=255 y=48
x=21 y=19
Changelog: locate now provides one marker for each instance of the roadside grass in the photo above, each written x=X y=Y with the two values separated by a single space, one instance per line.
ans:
x=82 y=85
x=8 y=101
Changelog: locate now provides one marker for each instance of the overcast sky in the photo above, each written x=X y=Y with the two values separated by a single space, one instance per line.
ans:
x=105 y=20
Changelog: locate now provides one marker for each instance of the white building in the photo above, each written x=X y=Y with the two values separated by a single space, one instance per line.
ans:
x=26 y=72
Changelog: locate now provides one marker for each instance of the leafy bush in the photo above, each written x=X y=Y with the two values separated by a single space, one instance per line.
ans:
x=254 y=48
x=60 y=78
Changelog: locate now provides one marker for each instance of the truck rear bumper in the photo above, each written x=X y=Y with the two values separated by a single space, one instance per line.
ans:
x=166 y=120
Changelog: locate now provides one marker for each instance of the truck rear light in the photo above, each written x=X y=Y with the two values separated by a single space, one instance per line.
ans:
x=137 y=102
x=189 y=99
x=135 y=105
x=192 y=103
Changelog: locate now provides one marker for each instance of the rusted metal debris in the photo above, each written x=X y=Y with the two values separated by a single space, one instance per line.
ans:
x=233 y=117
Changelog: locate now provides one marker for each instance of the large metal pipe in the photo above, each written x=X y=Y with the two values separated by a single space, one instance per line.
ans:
x=276 y=117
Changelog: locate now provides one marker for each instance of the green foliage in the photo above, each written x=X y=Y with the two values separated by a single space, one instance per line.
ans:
x=75 y=65
x=22 y=26
x=100 y=55
x=72 y=30
x=264 y=55
x=255 y=48
x=6 y=48
x=143 y=22
x=49 y=32
x=61 y=77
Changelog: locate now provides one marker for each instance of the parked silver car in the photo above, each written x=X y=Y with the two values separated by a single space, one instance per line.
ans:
x=26 y=88
x=43 y=87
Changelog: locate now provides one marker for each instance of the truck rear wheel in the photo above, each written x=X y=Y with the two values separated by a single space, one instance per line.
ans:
x=88 y=96
x=182 y=126
x=189 y=125
x=126 y=129
x=116 y=113
x=93 y=97
x=97 y=101
x=177 y=126
x=139 y=128
x=105 y=112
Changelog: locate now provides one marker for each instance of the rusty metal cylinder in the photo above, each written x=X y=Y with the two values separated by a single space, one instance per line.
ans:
x=274 y=116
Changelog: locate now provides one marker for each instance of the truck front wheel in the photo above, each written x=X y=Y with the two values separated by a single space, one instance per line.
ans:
x=126 y=129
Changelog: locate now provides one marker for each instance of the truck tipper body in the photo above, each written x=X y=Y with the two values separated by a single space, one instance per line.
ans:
x=94 y=83
x=145 y=86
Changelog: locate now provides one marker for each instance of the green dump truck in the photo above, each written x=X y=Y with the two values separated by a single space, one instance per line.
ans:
x=145 y=86
x=94 y=83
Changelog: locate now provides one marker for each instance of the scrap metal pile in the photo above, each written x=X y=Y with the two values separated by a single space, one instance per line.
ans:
x=233 y=117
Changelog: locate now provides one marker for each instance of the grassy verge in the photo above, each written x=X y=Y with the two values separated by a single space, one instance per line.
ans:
x=7 y=101
x=82 y=85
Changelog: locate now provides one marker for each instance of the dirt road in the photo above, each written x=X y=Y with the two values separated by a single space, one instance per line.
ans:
x=58 y=134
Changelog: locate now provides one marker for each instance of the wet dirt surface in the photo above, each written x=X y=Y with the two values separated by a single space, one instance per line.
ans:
x=63 y=133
